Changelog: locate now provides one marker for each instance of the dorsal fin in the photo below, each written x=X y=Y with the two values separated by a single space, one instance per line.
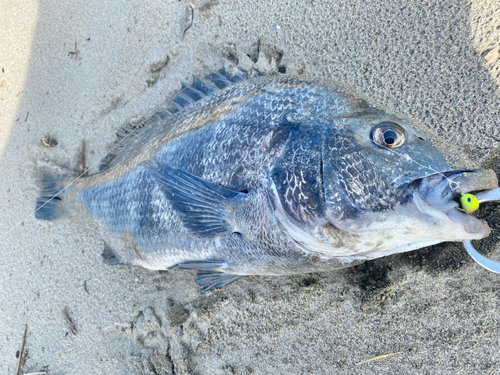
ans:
x=188 y=94
x=223 y=79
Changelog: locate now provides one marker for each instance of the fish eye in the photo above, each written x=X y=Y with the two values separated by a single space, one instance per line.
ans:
x=389 y=135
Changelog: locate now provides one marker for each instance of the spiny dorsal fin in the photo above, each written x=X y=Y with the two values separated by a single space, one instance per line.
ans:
x=189 y=94
x=203 y=87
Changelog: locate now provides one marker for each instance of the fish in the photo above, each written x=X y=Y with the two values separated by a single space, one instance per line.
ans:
x=271 y=175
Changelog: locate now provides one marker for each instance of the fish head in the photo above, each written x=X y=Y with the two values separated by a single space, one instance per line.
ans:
x=388 y=189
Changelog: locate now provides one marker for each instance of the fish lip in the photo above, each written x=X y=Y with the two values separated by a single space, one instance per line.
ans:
x=471 y=224
x=475 y=228
x=475 y=180
x=436 y=195
x=450 y=184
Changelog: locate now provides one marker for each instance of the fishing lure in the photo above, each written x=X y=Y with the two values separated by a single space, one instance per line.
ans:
x=469 y=203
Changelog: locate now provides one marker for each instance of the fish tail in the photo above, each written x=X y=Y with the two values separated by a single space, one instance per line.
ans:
x=51 y=205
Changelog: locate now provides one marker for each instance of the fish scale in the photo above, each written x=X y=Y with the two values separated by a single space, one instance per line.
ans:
x=272 y=175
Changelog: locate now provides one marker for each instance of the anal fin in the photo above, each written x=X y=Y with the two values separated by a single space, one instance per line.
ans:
x=208 y=281
x=209 y=275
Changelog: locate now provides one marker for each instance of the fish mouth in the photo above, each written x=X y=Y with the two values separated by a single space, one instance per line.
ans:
x=438 y=195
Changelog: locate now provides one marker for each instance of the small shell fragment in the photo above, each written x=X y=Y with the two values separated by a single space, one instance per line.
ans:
x=49 y=141
x=69 y=323
x=492 y=56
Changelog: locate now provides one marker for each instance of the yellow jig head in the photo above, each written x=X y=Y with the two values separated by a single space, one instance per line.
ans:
x=469 y=203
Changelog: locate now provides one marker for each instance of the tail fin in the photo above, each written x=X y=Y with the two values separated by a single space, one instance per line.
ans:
x=50 y=203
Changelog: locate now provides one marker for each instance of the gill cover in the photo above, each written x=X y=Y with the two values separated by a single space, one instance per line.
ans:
x=360 y=174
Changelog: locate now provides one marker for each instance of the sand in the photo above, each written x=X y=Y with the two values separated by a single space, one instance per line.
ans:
x=80 y=70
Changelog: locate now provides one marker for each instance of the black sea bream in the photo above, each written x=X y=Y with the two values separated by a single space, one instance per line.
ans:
x=270 y=176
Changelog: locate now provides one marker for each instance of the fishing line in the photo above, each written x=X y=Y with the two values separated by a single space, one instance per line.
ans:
x=115 y=146
x=453 y=185
x=65 y=187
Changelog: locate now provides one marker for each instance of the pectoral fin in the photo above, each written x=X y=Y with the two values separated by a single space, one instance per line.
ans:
x=206 y=209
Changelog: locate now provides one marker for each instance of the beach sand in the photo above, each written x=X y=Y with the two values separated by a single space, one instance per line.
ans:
x=80 y=70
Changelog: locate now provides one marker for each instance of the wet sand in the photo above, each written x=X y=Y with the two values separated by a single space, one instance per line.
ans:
x=82 y=70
